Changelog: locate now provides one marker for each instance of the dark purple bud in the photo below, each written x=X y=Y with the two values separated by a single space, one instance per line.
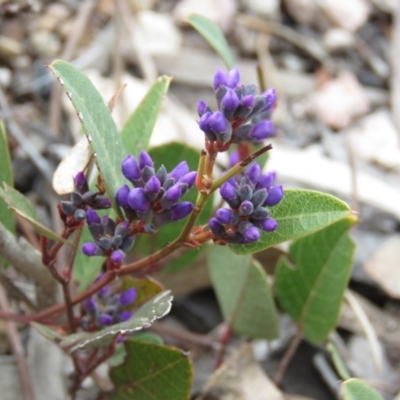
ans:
x=259 y=197
x=128 y=296
x=181 y=169
x=174 y=193
x=216 y=228
x=104 y=291
x=116 y=241
x=189 y=178
x=270 y=99
x=246 y=208
x=90 y=249
x=108 y=225
x=67 y=207
x=241 y=134
x=162 y=218
x=220 y=79
x=125 y=315
x=89 y=197
x=169 y=182
x=96 y=230
x=249 y=231
x=227 y=191
x=122 y=229
x=101 y=202
x=269 y=225
x=233 y=78
x=153 y=185
x=144 y=216
x=201 y=107
x=105 y=319
x=137 y=199
x=275 y=195
x=130 y=168
x=127 y=243
x=181 y=210
x=234 y=158
x=260 y=214
x=117 y=256
x=266 y=180
x=253 y=172
x=224 y=216
x=162 y=174
x=92 y=217
x=90 y=305
x=79 y=215
x=248 y=101
x=145 y=159
x=80 y=182
x=233 y=237
x=245 y=192
x=76 y=199
x=230 y=101
x=218 y=122
x=262 y=130
x=122 y=196
x=105 y=243
x=204 y=122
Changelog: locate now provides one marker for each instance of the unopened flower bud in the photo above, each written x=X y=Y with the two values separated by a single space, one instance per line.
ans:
x=153 y=185
x=189 y=178
x=246 y=208
x=181 y=169
x=128 y=296
x=269 y=225
x=124 y=316
x=130 y=168
x=122 y=196
x=270 y=99
x=90 y=249
x=92 y=217
x=145 y=159
x=79 y=215
x=181 y=210
x=137 y=199
x=253 y=172
x=216 y=228
x=261 y=130
x=230 y=101
x=117 y=256
x=105 y=319
x=275 y=195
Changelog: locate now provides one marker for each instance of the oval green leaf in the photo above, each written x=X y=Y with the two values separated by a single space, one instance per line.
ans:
x=300 y=213
x=214 y=36
x=243 y=293
x=24 y=208
x=137 y=131
x=356 y=389
x=312 y=291
x=98 y=125
x=152 y=371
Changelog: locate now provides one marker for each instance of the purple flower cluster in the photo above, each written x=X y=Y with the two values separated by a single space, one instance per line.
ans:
x=110 y=239
x=104 y=308
x=155 y=196
x=241 y=116
x=82 y=199
x=247 y=199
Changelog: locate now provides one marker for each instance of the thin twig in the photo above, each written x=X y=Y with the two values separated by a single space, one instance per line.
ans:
x=15 y=342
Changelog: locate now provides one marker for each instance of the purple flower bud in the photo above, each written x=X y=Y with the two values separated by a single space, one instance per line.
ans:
x=230 y=101
x=90 y=249
x=122 y=196
x=227 y=191
x=90 y=305
x=220 y=79
x=270 y=99
x=266 y=180
x=275 y=195
x=153 y=185
x=162 y=174
x=104 y=291
x=181 y=210
x=92 y=217
x=145 y=159
x=106 y=319
x=105 y=243
x=259 y=197
x=201 y=107
x=128 y=296
x=248 y=101
x=224 y=215
x=67 y=207
x=249 y=231
x=246 y=208
x=122 y=229
x=181 y=169
x=233 y=78
x=117 y=256
x=127 y=243
x=76 y=199
x=204 y=122
x=108 y=225
x=253 y=173
x=269 y=225
x=234 y=158
x=101 y=202
x=174 y=193
x=245 y=192
x=216 y=228
x=137 y=199
x=162 y=218
x=79 y=215
x=189 y=178
x=130 y=168
x=218 y=122
x=261 y=130
x=125 y=315
x=79 y=180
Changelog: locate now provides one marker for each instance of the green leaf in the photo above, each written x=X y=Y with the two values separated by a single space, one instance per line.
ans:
x=312 y=292
x=356 y=389
x=98 y=125
x=47 y=332
x=300 y=213
x=146 y=288
x=137 y=130
x=152 y=371
x=148 y=337
x=155 y=308
x=24 y=208
x=171 y=155
x=6 y=215
x=243 y=293
x=214 y=36
x=338 y=361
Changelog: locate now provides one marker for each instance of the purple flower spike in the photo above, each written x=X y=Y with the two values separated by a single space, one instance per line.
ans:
x=233 y=78
x=153 y=185
x=122 y=196
x=230 y=101
x=201 y=107
x=189 y=178
x=137 y=200
x=218 y=122
x=92 y=217
x=269 y=225
x=262 y=130
x=90 y=249
x=220 y=79
x=117 y=256
x=181 y=210
x=125 y=315
x=128 y=296
x=145 y=159
x=130 y=168
x=270 y=99
x=181 y=169
x=106 y=319
x=253 y=173
x=275 y=195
